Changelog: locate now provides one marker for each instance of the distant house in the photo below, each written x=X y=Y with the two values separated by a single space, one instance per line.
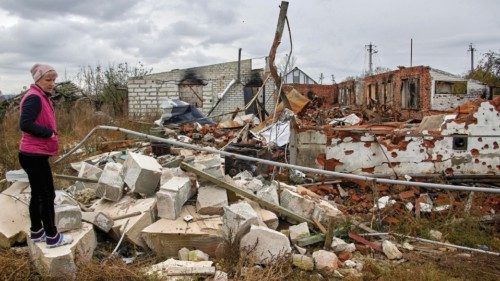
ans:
x=297 y=76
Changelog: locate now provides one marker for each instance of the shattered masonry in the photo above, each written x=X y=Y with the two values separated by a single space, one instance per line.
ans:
x=465 y=142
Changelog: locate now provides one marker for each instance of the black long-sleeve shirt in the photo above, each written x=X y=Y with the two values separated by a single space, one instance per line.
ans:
x=29 y=112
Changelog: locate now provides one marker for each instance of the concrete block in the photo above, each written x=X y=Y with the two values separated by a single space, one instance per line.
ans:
x=184 y=254
x=220 y=276
x=166 y=237
x=299 y=231
x=67 y=217
x=268 y=218
x=209 y=163
x=141 y=173
x=110 y=185
x=61 y=262
x=339 y=245
x=211 y=200
x=89 y=171
x=98 y=219
x=237 y=220
x=197 y=255
x=168 y=173
x=390 y=250
x=182 y=269
x=325 y=260
x=296 y=203
x=323 y=209
x=172 y=196
x=15 y=215
x=142 y=213
x=303 y=262
x=265 y=244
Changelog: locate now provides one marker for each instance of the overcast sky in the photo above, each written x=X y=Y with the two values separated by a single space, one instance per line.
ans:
x=329 y=37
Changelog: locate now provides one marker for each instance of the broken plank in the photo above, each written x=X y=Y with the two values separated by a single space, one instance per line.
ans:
x=313 y=239
x=263 y=203
x=362 y=240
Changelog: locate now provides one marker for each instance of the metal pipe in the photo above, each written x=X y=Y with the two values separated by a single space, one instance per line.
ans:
x=283 y=165
x=239 y=66
x=432 y=242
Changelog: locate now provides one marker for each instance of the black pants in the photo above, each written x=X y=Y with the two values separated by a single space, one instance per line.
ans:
x=42 y=192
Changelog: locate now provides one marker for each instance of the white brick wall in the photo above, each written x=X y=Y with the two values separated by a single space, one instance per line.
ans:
x=145 y=95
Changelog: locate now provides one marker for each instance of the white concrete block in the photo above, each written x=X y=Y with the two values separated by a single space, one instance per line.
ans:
x=141 y=173
x=67 y=217
x=61 y=262
x=265 y=244
x=325 y=260
x=297 y=203
x=237 y=220
x=110 y=185
x=172 y=196
x=211 y=200
x=98 y=219
x=299 y=231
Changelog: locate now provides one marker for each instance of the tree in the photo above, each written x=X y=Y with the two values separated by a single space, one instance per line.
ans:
x=282 y=63
x=488 y=71
x=109 y=85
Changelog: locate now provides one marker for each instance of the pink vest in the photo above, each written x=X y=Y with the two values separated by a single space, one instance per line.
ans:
x=46 y=118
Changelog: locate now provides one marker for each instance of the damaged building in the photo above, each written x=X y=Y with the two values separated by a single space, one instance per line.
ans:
x=213 y=89
x=463 y=142
x=411 y=92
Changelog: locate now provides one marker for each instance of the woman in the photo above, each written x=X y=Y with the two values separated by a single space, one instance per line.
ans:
x=38 y=142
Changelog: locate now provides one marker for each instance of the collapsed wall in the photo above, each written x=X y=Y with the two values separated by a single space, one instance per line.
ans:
x=466 y=142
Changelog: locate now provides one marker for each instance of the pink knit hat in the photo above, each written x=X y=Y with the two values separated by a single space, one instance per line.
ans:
x=38 y=70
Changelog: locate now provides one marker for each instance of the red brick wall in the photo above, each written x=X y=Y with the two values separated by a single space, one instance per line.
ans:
x=420 y=72
x=328 y=92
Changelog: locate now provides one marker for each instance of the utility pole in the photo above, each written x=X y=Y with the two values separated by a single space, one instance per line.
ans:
x=411 y=52
x=371 y=52
x=321 y=78
x=471 y=50
x=333 y=79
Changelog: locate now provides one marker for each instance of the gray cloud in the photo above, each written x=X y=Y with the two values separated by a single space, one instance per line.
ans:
x=328 y=36
x=94 y=9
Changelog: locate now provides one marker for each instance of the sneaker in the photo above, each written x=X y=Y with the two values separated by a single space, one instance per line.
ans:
x=58 y=240
x=38 y=236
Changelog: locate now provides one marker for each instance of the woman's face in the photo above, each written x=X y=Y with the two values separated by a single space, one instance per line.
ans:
x=48 y=81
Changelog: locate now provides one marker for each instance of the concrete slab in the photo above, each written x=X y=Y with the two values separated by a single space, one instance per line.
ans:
x=166 y=237
x=211 y=200
x=141 y=173
x=110 y=185
x=265 y=244
x=14 y=220
x=182 y=269
x=61 y=262
x=146 y=215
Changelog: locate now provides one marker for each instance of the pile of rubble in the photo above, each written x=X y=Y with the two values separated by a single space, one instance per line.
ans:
x=189 y=206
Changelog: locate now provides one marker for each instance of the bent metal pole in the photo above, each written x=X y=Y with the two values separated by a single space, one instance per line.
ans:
x=279 y=164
